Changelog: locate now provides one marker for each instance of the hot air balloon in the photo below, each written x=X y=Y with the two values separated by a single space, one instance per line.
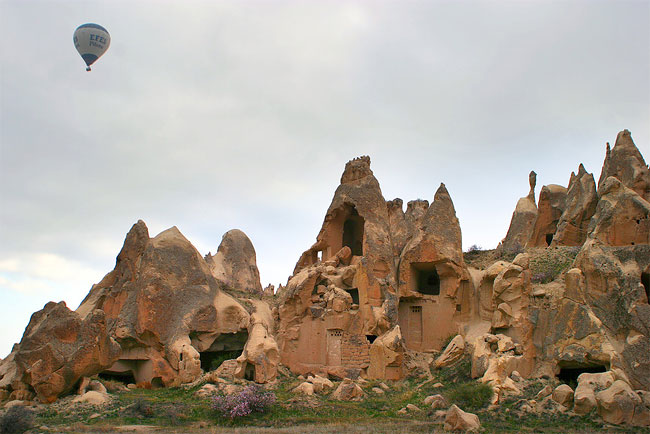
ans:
x=91 y=41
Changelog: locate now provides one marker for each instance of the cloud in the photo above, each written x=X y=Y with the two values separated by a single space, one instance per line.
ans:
x=213 y=116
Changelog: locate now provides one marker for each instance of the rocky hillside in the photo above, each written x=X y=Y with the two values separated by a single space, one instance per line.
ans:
x=379 y=297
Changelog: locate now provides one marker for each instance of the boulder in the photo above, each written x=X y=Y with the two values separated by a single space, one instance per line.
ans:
x=92 y=398
x=436 y=402
x=454 y=352
x=348 y=390
x=386 y=355
x=321 y=384
x=584 y=398
x=458 y=420
x=207 y=391
x=617 y=403
x=563 y=394
x=412 y=408
x=305 y=388
x=59 y=348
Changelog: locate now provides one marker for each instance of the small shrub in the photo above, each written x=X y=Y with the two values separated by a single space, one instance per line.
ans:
x=471 y=396
x=141 y=408
x=250 y=400
x=447 y=341
x=459 y=372
x=16 y=420
x=510 y=253
x=543 y=277
x=474 y=248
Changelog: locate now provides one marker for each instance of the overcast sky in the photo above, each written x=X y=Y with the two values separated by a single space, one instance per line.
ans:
x=219 y=115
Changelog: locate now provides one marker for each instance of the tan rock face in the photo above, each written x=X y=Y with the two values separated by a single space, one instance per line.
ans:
x=617 y=300
x=386 y=356
x=523 y=220
x=261 y=354
x=552 y=202
x=235 y=263
x=581 y=202
x=617 y=404
x=622 y=217
x=347 y=290
x=59 y=347
x=626 y=163
x=165 y=308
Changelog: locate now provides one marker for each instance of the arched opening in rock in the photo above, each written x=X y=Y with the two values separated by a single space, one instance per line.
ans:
x=122 y=377
x=371 y=338
x=353 y=232
x=645 y=280
x=354 y=293
x=226 y=346
x=549 y=239
x=157 y=383
x=569 y=374
x=426 y=278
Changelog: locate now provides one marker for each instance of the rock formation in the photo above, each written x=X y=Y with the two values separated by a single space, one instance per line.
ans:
x=523 y=220
x=580 y=206
x=372 y=268
x=552 y=199
x=235 y=263
x=377 y=296
x=58 y=348
x=161 y=317
x=626 y=164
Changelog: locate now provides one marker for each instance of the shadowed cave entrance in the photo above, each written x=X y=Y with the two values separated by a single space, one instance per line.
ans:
x=122 y=377
x=353 y=232
x=645 y=280
x=426 y=278
x=549 y=239
x=569 y=374
x=226 y=347
x=354 y=293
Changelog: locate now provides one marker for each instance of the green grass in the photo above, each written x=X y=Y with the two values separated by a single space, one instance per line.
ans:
x=178 y=408
x=547 y=266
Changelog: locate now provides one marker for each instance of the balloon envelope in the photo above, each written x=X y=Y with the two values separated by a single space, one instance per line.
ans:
x=91 y=41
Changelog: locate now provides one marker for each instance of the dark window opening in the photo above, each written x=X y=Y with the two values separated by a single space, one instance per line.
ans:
x=458 y=308
x=226 y=346
x=353 y=233
x=569 y=375
x=354 y=293
x=180 y=356
x=157 y=383
x=211 y=360
x=428 y=282
x=645 y=280
x=371 y=338
x=123 y=377
x=549 y=239
x=249 y=372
